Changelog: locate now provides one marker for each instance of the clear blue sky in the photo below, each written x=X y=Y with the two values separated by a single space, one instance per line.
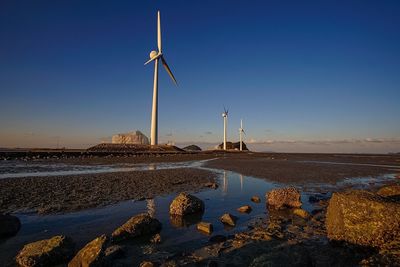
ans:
x=297 y=72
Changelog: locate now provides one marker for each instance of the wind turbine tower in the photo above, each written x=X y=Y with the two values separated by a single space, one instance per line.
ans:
x=155 y=56
x=241 y=131
x=225 y=116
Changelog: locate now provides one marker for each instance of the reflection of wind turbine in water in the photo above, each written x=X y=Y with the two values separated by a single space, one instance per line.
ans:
x=151 y=207
x=225 y=184
x=241 y=182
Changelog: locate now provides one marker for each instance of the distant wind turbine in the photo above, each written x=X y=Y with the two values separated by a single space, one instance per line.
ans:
x=155 y=56
x=225 y=116
x=241 y=131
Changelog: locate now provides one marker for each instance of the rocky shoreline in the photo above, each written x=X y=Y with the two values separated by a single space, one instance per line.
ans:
x=286 y=237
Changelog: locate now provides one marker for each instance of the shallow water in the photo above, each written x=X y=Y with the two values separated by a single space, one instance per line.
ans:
x=234 y=190
x=17 y=169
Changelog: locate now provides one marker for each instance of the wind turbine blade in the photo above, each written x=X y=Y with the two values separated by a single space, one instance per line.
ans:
x=224 y=110
x=168 y=70
x=150 y=60
x=159 y=32
x=241 y=123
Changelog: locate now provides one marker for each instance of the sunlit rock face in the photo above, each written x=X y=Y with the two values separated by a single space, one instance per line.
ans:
x=136 y=137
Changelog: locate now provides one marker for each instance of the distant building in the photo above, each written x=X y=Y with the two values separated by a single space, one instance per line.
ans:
x=136 y=137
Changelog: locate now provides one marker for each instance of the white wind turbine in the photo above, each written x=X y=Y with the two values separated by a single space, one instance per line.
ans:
x=225 y=116
x=155 y=56
x=241 y=131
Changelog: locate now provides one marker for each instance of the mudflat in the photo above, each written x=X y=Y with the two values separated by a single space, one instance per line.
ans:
x=55 y=194
x=306 y=168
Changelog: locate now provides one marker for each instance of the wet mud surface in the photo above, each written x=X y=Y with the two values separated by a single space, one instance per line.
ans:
x=76 y=192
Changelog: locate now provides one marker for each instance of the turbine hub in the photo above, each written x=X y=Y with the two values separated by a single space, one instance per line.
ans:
x=224 y=114
x=153 y=54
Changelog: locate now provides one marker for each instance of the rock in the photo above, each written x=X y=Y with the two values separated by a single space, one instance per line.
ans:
x=93 y=254
x=256 y=199
x=288 y=197
x=146 y=264
x=294 y=256
x=212 y=185
x=217 y=239
x=245 y=209
x=114 y=252
x=139 y=225
x=9 y=225
x=185 y=204
x=301 y=213
x=228 y=219
x=48 y=252
x=389 y=191
x=363 y=218
x=205 y=227
x=156 y=239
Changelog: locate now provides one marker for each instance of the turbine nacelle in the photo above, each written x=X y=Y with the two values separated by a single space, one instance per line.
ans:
x=224 y=115
x=153 y=54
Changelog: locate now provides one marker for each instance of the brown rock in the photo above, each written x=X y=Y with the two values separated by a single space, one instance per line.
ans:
x=228 y=219
x=139 y=225
x=146 y=264
x=185 y=204
x=245 y=209
x=9 y=225
x=363 y=218
x=48 y=252
x=93 y=254
x=156 y=239
x=205 y=227
x=256 y=199
x=288 y=197
x=301 y=213
x=389 y=191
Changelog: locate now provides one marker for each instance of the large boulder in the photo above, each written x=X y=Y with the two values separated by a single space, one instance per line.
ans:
x=363 y=218
x=185 y=204
x=48 y=252
x=93 y=254
x=139 y=225
x=9 y=225
x=288 y=197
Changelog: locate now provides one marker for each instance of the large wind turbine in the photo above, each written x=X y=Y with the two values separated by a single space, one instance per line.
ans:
x=225 y=116
x=241 y=131
x=155 y=56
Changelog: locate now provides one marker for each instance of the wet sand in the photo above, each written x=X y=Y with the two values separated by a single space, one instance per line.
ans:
x=56 y=194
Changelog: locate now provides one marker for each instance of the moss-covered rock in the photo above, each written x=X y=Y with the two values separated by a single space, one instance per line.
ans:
x=363 y=218
x=48 y=252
